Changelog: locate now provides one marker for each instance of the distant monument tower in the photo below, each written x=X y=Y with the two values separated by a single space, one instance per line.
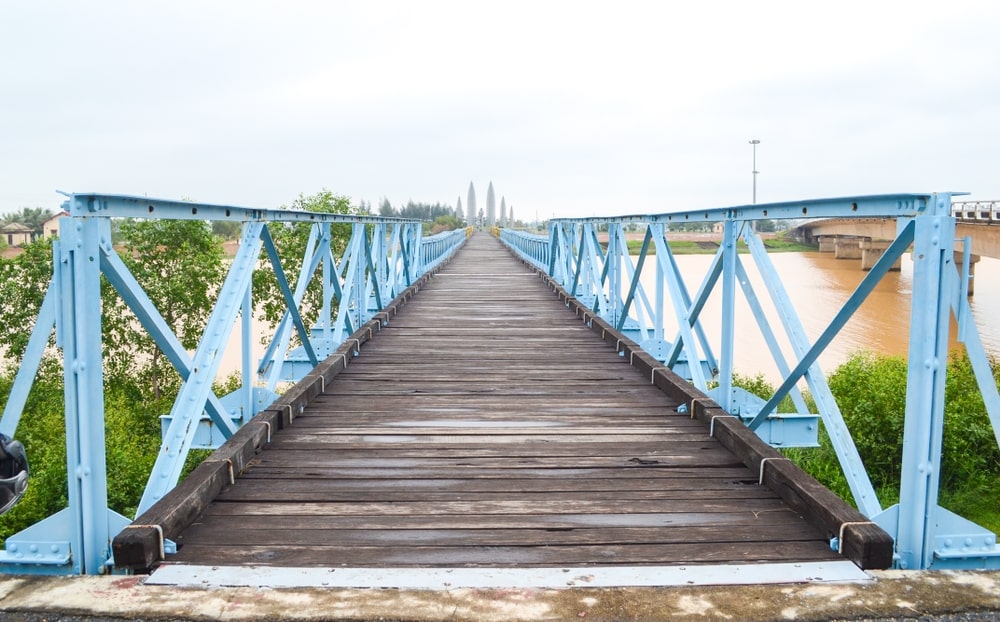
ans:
x=491 y=206
x=470 y=207
x=503 y=212
x=459 y=214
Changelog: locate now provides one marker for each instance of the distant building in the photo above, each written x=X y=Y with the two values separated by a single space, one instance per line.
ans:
x=50 y=228
x=470 y=206
x=491 y=206
x=718 y=227
x=16 y=234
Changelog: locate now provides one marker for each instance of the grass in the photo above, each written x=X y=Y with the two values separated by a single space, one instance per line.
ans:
x=708 y=247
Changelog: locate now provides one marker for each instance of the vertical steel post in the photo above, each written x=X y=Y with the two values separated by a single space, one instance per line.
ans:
x=246 y=354
x=612 y=265
x=325 y=239
x=729 y=243
x=80 y=337
x=925 y=383
x=659 y=309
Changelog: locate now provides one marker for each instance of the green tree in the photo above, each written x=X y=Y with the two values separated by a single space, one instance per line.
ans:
x=870 y=391
x=226 y=229
x=179 y=264
x=23 y=282
x=290 y=240
x=446 y=223
x=385 y=209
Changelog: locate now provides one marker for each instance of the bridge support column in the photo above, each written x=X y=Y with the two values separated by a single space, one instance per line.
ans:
x=871 y=250
x=847 y=248
x=827 y=243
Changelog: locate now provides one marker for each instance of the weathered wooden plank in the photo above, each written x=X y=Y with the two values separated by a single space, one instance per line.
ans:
x=377 y=485
x=318 y=493
x=473 y=430
x=709 y=458
x=224 y=516
x=281 y=470
x=519 y=505
x=262 y=534
x=363 y=440
x=312 y=448
x=525 y=556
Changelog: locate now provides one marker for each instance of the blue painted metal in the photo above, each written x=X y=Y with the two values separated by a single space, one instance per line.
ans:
x=927 y=535
x=532 y=248
x=384 y=257
x=32 y=358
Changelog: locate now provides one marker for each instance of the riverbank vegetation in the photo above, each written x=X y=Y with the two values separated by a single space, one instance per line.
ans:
x=870 y=391
x=180 y=265
x=782 y=243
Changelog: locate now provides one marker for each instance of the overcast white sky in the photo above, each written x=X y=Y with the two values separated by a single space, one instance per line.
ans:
x=569 y=108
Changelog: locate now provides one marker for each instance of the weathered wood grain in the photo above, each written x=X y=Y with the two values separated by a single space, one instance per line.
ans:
x=485 y=424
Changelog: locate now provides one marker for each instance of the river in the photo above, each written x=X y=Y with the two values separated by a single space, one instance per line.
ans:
x=818 y=285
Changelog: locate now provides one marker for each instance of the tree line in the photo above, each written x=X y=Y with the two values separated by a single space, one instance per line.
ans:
x=181 y=266
x=435 y=217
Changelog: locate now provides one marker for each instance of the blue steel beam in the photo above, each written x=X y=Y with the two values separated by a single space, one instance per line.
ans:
x=692 y=308
x=79 y=337
x=925 y=383
x=290 y=303
x=927 y=535
x=883 y=206
x=681 y=303
x=840 y=437
x=767 y=333
x=133 y=295
x=186 y=411
x=28 y=368
x=127 y=206
x=853 y=303
x=317 y=247
x=76 y=539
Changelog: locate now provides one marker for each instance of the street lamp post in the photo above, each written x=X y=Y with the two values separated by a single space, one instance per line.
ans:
x=754 y=142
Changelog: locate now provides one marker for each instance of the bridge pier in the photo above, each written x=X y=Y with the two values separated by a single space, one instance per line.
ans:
x=872 y=251
x=847 y=247
x=827 y=243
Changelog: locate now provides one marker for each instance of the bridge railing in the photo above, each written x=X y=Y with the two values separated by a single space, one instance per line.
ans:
x=977 y=211
x=383 y=257
x=609 y=281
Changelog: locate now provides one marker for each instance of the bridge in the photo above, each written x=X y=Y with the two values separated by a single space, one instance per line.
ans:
x=458 y=408
x=867 y=238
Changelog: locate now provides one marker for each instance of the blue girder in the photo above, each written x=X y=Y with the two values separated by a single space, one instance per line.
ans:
x=927 y=535
x=384 y=257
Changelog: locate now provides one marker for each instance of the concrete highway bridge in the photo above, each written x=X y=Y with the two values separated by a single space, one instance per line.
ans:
x=977 y=222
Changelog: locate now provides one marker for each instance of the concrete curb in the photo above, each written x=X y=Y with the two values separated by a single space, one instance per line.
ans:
x=893 y=594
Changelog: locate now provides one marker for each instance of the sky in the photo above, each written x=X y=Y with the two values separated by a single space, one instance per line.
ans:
x=569 y=108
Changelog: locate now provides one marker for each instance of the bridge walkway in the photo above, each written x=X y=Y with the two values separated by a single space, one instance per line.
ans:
x=486 y=425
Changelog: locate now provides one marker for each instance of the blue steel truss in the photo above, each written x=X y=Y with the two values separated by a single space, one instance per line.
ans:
x=384 y=256
x=608 y=280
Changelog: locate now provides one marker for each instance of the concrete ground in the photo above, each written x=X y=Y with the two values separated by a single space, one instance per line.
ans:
x=892 y=595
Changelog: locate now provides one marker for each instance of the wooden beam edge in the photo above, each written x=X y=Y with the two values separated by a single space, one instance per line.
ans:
x=139 y=547
x=860 y=540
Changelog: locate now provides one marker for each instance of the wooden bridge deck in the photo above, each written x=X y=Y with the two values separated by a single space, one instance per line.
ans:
x=488 y=426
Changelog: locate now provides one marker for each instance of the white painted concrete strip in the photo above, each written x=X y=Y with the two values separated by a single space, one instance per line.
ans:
x=183 y=575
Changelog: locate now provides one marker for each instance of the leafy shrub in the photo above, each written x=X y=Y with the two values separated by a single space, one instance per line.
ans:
x=870 y=391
